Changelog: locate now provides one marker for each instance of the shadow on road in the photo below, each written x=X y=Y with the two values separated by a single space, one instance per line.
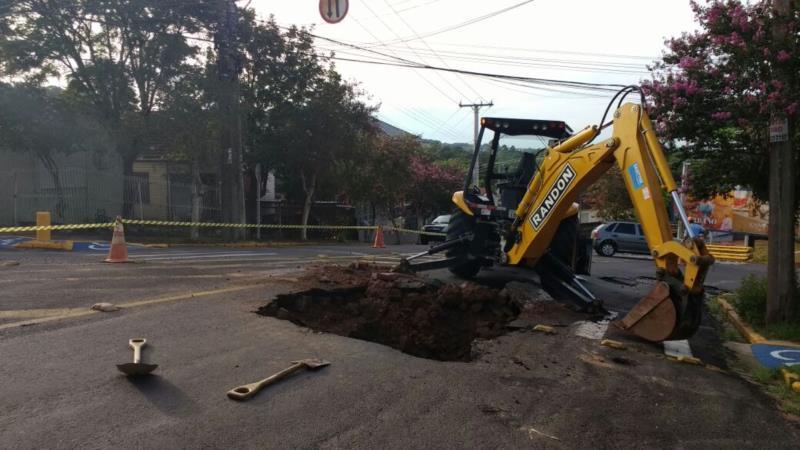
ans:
x=164 y=395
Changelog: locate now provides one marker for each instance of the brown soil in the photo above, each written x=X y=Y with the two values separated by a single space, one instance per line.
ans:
x=419 y=316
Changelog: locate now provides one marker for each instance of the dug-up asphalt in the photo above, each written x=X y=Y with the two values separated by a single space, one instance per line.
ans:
x=60 y=387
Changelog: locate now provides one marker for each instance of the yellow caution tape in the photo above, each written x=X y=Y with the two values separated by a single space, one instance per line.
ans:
x=85 y=226
x=423 y=233
x=89 y=226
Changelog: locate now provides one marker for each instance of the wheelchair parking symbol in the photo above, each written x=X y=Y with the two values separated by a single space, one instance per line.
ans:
x=776 y=356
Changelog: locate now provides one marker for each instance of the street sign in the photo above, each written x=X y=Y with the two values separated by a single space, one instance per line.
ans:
x=779 y=129
x=333 y=11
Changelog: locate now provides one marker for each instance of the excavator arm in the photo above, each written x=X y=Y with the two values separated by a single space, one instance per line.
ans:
x=672 y=309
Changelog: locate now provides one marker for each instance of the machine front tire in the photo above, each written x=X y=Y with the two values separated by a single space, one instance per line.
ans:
x=460 y=224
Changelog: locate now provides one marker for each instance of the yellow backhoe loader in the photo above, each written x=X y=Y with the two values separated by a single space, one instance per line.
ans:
x=527 y=217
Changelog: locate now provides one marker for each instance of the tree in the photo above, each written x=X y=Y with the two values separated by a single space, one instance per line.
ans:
x=431 y=186
x=119 y=57
x=42 y=123
x=313 y=139
x=714 y=90
x=609 y=197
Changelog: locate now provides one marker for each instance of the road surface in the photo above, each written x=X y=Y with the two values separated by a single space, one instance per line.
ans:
x=195 y=306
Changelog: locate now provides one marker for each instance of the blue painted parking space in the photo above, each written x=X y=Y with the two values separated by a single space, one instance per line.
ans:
x=776 y=356
x=8 y=243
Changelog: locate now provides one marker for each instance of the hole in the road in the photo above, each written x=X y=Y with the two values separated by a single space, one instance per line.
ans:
x=242 y=390
x=418 y=316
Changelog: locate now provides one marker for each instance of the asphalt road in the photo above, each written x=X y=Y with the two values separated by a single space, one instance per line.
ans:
x=195 y=306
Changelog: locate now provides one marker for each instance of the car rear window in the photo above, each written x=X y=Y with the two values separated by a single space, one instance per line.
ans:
x=610 y=227
x=625 y=228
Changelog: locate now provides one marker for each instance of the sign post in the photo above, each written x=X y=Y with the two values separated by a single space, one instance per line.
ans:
x=333 y=11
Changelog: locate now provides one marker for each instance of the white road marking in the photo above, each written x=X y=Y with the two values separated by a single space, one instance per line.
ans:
x=677 y=348
x=593 y=330
x=200 y=256
x=589 y=330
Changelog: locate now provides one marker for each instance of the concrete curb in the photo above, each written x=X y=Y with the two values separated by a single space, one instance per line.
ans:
x=45 y=245
x=791 y=379
x=733 y=317
x=238 y=244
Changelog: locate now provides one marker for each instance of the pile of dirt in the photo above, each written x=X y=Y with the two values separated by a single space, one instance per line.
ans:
x=417 y=315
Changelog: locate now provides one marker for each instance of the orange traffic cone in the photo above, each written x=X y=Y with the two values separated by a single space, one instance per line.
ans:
x=119 y=251
x=378 y=238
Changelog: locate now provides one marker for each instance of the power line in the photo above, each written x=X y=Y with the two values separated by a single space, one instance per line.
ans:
x=538 y=50
x=403 y=62
x=460 y=25
x=604 y=87
x=429 y=48
x=401 y=10
x=546 y=63
x=366 y=4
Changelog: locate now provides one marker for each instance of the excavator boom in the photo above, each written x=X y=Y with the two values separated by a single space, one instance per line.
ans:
x=672 y=310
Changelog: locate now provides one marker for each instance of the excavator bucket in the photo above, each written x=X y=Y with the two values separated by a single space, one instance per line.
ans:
x=663 y=314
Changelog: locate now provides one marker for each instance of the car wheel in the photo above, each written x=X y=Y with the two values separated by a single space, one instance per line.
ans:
x=607 y=248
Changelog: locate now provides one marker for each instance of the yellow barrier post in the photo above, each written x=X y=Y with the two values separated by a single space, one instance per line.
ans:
x=43 y=220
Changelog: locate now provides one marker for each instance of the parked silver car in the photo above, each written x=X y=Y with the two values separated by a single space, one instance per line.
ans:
x=613 y=237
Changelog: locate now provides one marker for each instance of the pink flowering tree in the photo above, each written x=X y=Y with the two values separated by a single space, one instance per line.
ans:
x=431 y=186
x=714 y=88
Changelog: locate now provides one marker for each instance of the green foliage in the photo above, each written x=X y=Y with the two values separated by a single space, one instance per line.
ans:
x=751 y=299
x=610 y=197
x=764 y=375
x=715 y=88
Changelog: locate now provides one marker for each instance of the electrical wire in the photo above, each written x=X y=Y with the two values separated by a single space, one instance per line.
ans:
x=366 y=4
x=602 y=87
x=459 y=25
x=408 y=25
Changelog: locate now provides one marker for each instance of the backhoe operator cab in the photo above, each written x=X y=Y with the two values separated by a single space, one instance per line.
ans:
x=504 y=161
x=509 y=184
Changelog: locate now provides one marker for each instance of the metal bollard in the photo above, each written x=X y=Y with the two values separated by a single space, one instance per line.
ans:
x=43 y=220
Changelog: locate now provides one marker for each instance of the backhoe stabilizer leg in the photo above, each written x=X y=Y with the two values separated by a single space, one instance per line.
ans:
x=560 y=282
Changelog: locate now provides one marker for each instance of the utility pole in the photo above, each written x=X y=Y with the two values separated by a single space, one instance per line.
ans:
x=476 y=107
x=782 y=174
x=228 y=69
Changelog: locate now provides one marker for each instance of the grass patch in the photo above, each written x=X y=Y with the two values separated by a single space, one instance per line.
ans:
x=760 y=252
x=782 y=331
x=788 y=400
x=750 y=301
x=726 y=331
x=772 y=383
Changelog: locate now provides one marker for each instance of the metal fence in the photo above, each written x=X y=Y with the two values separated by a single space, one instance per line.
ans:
x=77 y=195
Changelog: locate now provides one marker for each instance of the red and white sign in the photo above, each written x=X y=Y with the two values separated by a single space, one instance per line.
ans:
x=779 y=129
x=333 y=11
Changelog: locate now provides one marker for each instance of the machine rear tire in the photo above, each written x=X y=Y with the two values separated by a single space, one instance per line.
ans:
x=460 y=224
x=565 y=242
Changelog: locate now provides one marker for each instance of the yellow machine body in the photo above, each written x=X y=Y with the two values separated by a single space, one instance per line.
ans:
x=569 y=168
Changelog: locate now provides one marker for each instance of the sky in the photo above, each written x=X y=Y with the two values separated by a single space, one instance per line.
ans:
x=577 y=40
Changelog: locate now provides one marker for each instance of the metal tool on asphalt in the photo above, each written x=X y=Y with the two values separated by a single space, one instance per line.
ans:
x=137 y=367
x=246 y=391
